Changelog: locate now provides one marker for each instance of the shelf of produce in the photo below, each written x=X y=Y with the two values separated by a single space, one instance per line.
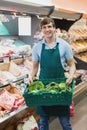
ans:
x=12 y=81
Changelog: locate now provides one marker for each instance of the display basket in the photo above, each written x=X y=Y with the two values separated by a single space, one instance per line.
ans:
x=49 y=98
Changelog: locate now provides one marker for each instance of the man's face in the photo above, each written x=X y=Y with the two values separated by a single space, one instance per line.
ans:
x=48 y=30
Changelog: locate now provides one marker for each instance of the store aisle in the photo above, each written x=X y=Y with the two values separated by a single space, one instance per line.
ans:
x=79 y=121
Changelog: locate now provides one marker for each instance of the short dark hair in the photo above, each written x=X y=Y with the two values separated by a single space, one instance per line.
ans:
x=47 y=20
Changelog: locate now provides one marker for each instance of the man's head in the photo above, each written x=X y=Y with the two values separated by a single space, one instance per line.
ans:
x=47 y=20
x=47 y=26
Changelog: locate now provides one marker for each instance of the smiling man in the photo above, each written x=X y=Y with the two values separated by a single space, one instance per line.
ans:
x=51 y=53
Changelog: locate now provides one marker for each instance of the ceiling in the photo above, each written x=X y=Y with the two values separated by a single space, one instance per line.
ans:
x=79 y=6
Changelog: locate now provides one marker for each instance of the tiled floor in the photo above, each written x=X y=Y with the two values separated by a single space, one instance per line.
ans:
x=79 y=121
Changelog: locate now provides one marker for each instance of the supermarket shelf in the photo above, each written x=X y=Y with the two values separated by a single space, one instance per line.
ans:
x=12 y=81
x=11 y=114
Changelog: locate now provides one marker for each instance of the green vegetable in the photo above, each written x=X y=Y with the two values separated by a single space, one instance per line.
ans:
x=62 y=86
x=69 y=88
x=52 y=87
x=36 y=86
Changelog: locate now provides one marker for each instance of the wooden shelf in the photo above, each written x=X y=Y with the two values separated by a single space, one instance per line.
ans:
x=80 y=91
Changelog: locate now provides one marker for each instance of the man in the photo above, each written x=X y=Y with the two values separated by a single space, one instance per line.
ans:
x=51 y=53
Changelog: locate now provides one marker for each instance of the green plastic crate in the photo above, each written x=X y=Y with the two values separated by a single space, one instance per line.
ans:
x=49 y=98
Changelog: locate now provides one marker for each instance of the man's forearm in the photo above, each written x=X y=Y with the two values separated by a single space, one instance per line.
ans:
x=33 y=73
x=34 y=69
x=72 y=71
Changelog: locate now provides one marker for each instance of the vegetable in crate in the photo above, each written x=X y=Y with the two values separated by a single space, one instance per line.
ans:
x=69 y=88
x=52 y=87
x=36 y=86
x=62 y=86
x=55 y=87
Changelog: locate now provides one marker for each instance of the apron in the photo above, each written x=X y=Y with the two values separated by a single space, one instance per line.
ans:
x=51 y=68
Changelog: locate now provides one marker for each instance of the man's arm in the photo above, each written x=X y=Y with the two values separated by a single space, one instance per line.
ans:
x=72 y=70
x=35 y=66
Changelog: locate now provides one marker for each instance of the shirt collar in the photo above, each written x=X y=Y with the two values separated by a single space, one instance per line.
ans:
x=44 y=42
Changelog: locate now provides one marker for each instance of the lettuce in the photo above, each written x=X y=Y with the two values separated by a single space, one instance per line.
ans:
x=36 y=86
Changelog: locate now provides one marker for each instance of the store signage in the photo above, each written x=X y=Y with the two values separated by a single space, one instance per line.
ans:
x=24 y=26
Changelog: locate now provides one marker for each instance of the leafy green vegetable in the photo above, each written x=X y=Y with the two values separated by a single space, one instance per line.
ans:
x=36 y=86
x=62 y=86
x=69 y=88
x=52 y=87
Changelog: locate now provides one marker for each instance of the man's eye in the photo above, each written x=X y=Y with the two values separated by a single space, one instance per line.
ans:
x=49 y=26
x=43 y=27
